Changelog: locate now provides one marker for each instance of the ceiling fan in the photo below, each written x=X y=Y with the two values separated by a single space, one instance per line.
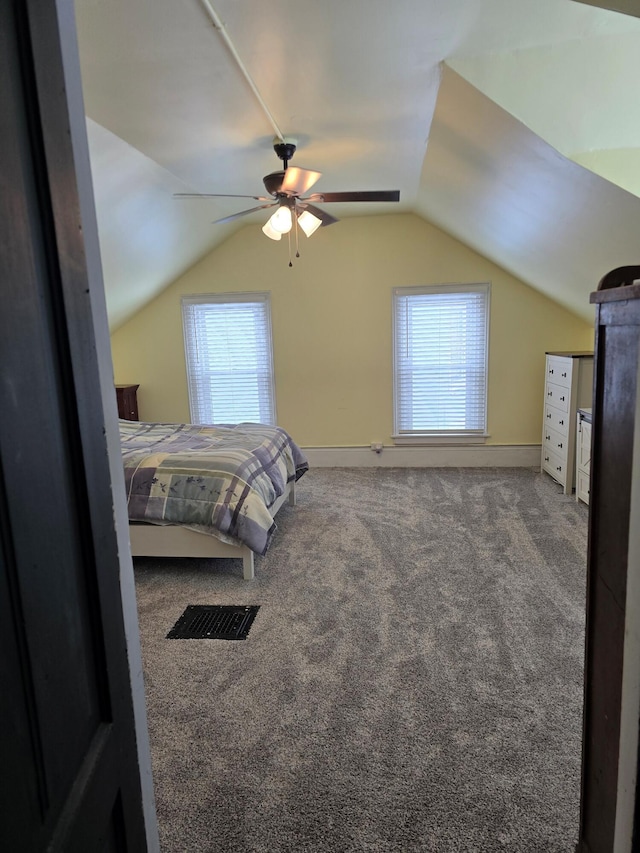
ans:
x=286 y=190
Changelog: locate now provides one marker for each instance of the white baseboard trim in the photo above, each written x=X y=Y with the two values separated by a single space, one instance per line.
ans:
x=466 y=456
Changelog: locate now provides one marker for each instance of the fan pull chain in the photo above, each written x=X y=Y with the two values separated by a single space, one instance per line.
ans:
x=296 y=221
x=289 y=236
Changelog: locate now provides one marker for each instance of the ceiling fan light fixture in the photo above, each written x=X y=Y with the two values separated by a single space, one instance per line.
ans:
x=270 y=232
x=285 y=190
x=281 y=221
x=308 y=222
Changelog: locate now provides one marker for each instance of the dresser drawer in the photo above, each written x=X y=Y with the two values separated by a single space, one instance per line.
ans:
x=557 y=396
x=554 y=465
x=556 y=442
x=556 y=420
x=559 y=370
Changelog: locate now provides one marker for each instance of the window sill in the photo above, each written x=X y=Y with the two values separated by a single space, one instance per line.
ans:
x=453 y=438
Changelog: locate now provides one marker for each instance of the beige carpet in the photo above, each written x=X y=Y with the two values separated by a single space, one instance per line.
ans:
x=412 y=682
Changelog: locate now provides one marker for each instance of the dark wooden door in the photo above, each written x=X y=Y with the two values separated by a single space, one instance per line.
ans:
x=70 y=777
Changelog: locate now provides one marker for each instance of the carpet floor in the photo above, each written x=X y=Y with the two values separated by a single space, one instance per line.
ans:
x=412 y=681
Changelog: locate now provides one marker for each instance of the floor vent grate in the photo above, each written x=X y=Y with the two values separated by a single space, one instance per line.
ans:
x=214 y=622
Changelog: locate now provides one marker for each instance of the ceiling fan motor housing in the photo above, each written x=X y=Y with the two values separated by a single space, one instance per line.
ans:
x=273 y=182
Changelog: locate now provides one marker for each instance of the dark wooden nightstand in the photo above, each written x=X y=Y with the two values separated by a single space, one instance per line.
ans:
x=127 y=397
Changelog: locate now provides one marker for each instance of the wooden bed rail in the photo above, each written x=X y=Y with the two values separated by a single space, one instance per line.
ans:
x=171 y=540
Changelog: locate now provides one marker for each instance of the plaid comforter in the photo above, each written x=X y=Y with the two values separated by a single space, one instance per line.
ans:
x=219 y=480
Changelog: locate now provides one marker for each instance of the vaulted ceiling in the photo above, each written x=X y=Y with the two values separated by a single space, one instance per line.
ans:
x=483 y=113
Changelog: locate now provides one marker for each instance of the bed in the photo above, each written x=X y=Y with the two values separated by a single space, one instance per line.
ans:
x=207 y=491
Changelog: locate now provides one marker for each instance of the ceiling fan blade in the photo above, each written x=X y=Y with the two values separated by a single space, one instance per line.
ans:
x=325 y=217
x=358 y=195
x=297 y=181
x=242 y=213
x=219 y=195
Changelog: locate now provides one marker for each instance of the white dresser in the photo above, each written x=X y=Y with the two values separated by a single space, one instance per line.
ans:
x=568 y=387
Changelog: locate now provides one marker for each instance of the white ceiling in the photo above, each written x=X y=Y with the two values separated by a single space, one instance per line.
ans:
x=356 y=82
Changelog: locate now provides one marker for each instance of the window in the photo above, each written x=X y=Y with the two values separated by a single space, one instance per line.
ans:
x=229 y=360
x=440 y=360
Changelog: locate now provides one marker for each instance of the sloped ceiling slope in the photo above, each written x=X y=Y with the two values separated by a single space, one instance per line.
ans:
x=146 y=240
x=628 y=7
x=511 y=196
x=356 y=83
x=582 y=99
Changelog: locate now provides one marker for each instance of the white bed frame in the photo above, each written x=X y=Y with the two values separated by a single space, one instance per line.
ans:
x=170 y=540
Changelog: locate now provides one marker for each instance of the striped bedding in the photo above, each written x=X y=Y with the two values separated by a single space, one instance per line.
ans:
x=220 y=480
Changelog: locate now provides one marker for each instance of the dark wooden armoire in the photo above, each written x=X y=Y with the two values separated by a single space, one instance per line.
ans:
x=610 y=726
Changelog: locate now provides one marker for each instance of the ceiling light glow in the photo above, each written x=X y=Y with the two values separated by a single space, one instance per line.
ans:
x=269 y=231
x=308 y=222
x=281 y=220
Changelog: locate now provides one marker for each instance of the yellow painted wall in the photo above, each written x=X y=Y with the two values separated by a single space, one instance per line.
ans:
x=332 y=329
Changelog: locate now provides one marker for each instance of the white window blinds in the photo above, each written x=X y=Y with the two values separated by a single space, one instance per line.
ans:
x=229 y=358
x=440 y=360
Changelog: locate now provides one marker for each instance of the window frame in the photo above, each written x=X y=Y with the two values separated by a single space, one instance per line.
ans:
x=444 y=436
x=263 y=297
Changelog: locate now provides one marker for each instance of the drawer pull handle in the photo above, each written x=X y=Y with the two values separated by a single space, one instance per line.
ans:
x=558 y=467
x=547 y=438
x=562 y=398
x=561 y=423
x=548 y=415
x=549 y=393
x=560 y=445
x=551 y=370
x=546 y=458
x=564 y=375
